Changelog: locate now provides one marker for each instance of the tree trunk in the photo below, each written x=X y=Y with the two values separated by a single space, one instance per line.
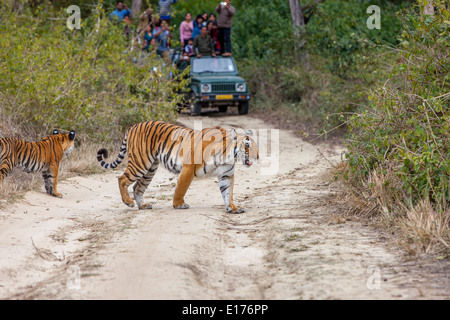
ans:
x=136 y=7
x=298 y=22
x=298 y=19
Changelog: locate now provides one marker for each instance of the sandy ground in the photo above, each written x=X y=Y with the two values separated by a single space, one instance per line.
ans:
x=291 y=243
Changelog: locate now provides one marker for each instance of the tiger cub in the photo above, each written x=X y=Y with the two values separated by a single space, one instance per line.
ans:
x=42 y=156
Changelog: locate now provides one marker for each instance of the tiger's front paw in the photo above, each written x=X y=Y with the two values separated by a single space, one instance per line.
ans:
x=181 y=206
x=51 y=191
x=236 y=210
x=146 y=206
x=57 y=195
x=130 y=204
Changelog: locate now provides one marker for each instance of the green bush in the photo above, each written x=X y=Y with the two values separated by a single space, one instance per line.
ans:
x=405 y=131
x=262 y=30
x=89 y=80
x=339 y=32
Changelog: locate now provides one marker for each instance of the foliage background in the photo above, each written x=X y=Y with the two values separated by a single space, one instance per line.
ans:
x=399 y=145
x=88 y=79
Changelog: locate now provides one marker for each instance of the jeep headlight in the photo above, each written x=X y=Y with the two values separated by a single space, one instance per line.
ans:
x=206 y=88
x=240 y=87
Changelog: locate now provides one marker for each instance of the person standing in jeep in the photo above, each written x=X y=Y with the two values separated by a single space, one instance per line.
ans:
x=224 y=21
x=203 y=44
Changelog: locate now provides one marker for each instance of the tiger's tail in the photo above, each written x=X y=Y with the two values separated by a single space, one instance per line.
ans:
x=103 y=154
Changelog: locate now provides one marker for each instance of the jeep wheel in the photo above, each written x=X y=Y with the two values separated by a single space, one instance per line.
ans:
x=243 y=107
x=223 y=108
x=196 y=108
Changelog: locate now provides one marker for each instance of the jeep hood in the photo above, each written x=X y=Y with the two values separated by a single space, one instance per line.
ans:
x=214 y=79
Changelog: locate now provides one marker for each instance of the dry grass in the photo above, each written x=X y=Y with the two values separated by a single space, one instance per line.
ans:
x=419 y=228
x=83 y=160
x=15 y=185
x=425 y=229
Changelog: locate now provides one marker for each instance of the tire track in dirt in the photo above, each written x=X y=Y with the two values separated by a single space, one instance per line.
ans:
x=291 y=244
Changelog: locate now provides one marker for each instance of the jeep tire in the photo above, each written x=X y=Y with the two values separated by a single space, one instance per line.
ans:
x=196 y=108
x=243 y=107
x=223 y=109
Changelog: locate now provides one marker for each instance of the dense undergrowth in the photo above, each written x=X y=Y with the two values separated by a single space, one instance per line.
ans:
x=399 y=146
x=88 y=80
x=91 y=80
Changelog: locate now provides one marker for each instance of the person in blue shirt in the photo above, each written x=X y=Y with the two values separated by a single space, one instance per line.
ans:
x=197 y=26
x=121 y=11
x=164 y=9
x=162 y=36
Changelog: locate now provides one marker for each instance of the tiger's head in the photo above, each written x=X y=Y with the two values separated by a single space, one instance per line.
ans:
x=246 y=149
x=67 y=140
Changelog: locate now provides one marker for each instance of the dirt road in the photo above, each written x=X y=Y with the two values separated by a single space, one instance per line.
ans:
x=291 y=243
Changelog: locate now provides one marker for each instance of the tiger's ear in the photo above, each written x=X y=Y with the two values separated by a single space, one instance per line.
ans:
x=249 y=132
x=72 y=135
x=233 y=134
x=55 y=131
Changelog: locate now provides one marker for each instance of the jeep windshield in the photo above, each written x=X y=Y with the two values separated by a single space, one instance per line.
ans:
x=213 y=65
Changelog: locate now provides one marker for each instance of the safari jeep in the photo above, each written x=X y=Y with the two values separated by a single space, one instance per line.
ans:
x=216 y=82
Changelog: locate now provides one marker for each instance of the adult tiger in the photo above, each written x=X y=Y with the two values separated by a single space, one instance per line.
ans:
x=190 y=153
x=44 y=155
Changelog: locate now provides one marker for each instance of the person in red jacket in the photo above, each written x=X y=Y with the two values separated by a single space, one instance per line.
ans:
x=214 y=33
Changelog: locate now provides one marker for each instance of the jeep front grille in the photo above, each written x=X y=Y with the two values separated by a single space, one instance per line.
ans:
x=223 y=87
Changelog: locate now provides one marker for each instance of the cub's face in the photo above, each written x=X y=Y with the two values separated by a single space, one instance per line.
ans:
x=247 y=148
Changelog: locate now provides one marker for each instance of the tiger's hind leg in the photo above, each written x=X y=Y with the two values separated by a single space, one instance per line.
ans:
x=47 y=181
x=142 y=184
x=125 y=181
x=50 y=176
x=130 y=176
x=5 y=169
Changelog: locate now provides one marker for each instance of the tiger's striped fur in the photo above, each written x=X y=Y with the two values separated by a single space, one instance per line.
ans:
x=183 y=151
x=44 y=156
